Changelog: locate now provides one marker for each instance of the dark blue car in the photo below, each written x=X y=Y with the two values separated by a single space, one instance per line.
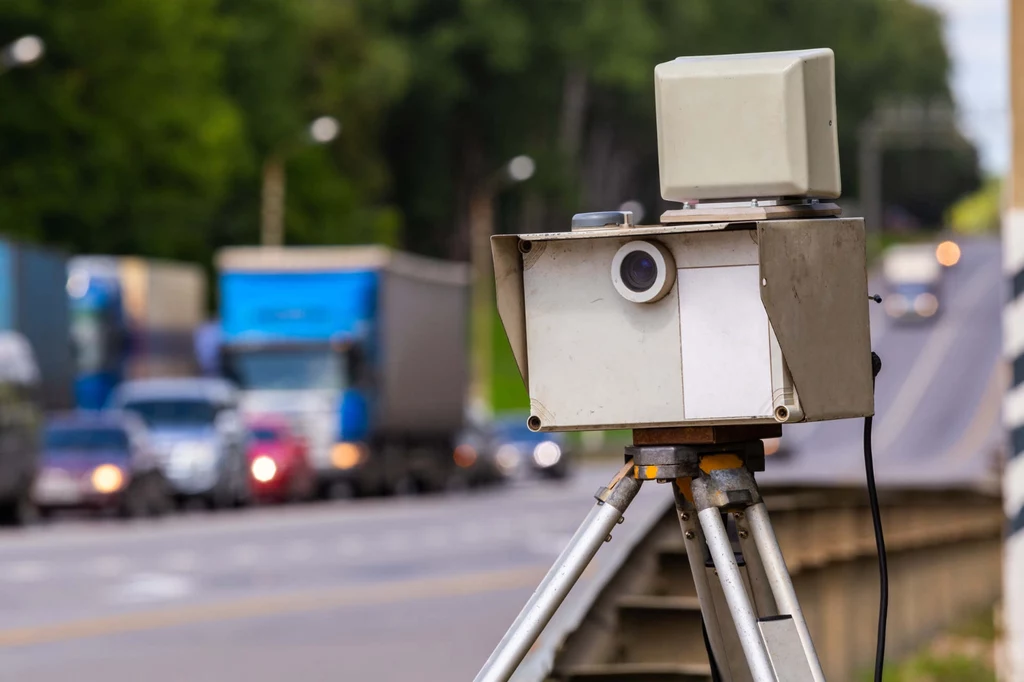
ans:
x=516 y=447
x=100 y=461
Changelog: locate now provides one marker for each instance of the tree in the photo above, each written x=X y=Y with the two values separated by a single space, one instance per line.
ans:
x=122 y=139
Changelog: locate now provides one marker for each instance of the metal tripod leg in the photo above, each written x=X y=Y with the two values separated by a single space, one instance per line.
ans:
x=592 y=533
x=743 y=615
x=693 y=540
x=781 y=583
x=776 y=649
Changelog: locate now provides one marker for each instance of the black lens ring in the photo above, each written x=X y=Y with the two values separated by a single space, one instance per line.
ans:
x=639 y=271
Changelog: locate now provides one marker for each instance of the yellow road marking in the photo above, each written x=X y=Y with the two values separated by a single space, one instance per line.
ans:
x=272 y=605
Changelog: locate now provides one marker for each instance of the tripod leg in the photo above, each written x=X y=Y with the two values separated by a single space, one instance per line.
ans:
x=742 y=611
x=781 y=583
x=569 y=566
x=760 y=587
x=693 y=540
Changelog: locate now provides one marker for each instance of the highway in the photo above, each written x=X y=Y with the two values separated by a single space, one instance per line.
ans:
x=937 y=397
x=422 y=588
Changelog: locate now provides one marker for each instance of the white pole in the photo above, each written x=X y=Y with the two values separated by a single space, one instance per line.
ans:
x=1013 y=340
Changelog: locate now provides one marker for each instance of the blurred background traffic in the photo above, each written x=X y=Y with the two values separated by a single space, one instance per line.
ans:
x=244 y=263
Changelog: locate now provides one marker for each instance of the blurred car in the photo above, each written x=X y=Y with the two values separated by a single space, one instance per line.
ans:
x=197 y=433
x=21 y=408
x=474 y=456
x=518 y=449
x=100 y=461
x=913 y=276
x=279 y=467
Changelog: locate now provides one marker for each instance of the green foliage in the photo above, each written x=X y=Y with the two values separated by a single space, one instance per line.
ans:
x=979 y=211
x=146 y=126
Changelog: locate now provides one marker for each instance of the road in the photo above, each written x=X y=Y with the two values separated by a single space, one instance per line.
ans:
x=422 y=588
x=937 y=398
x=406 y=589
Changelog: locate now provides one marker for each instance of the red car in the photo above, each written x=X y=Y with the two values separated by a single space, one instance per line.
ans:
x=279 y=469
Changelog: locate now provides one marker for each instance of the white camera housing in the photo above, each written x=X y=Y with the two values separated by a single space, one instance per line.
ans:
x=765 y=322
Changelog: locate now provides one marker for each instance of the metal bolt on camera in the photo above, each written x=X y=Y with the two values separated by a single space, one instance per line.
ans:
x=742 y=311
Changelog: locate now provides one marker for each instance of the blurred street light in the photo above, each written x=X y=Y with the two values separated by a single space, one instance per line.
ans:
x=324 y=129
x=321 y=131
x=481 y=227
x=22 y=52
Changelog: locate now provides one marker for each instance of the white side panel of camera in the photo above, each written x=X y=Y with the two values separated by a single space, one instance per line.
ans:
x=646 y=367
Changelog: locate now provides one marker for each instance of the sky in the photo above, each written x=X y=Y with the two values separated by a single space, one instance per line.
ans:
x=977 y=35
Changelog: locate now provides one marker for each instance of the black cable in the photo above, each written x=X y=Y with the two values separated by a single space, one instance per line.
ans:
x=876 y=520
x=715 y=675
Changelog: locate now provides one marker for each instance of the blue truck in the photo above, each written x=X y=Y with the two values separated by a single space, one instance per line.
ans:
x=363 y=350
x=131 y=318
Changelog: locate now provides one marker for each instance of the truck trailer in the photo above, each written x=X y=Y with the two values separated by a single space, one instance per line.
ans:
x=132 y=318
x=33 y=303
x=363 y=350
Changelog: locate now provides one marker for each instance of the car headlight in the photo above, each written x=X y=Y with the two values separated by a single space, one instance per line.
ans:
x=926 y=304
x=263 y=469
x=507 y=458
x=107 y=478
x=547 y=454
x=346 y=455
x=896 y=305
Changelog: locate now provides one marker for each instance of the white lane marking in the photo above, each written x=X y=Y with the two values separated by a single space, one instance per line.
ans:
x=299 y=551
x=351 y=547
x=108 y=566
x=473 y=532
x=392 y=542
x=436 y=538
x=150 y=587
x=244 y=555
x=182 y=560
x=24 y=571
x=926 y=368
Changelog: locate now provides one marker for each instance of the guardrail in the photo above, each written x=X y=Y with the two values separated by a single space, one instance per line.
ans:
x=640 y=621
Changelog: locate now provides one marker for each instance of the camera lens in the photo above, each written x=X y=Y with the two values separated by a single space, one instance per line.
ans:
x=638 y=271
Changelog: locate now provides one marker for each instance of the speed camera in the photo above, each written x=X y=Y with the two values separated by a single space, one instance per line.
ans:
x=746 y=305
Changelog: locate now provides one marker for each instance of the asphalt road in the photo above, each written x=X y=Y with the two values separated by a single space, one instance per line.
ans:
x=403 y=589
x=937 y=398
x=422 y=588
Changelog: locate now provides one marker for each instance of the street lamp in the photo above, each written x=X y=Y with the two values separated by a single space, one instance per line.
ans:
x=481 y=227
x=320 y=131
x=24 y=51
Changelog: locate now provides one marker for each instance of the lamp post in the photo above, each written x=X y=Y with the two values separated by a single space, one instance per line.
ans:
x=24 y=51
x=321 y=131
x=481 y=227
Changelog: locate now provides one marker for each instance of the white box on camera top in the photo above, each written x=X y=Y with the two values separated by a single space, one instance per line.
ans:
x=748 y=126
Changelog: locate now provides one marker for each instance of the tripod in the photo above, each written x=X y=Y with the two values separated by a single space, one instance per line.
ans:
x=755 y=628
